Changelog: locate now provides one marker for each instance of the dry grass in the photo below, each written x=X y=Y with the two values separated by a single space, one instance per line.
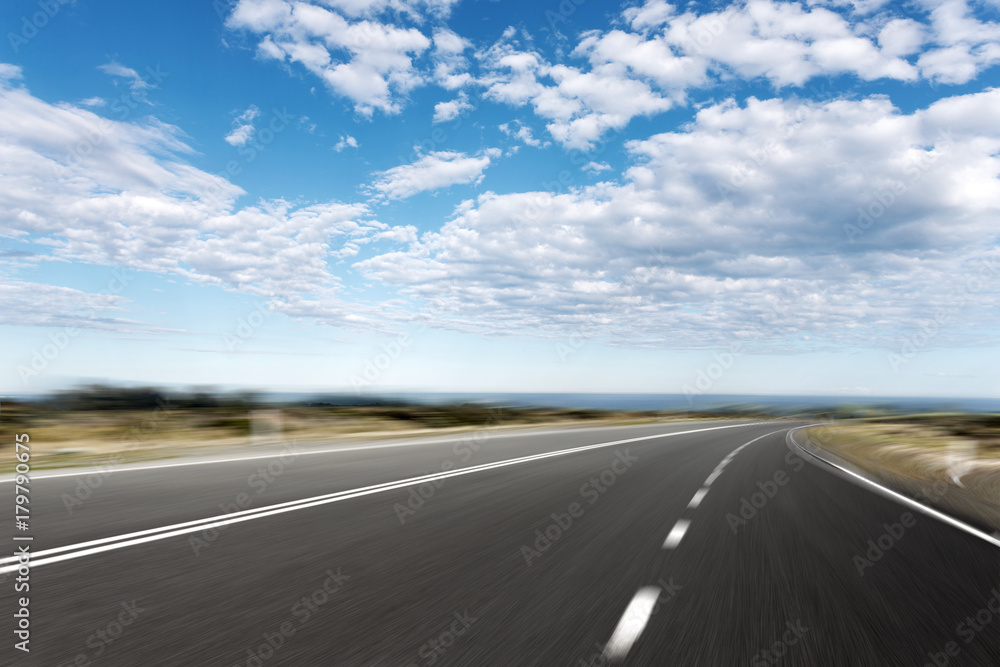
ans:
x=93 y=437
x=961 y=452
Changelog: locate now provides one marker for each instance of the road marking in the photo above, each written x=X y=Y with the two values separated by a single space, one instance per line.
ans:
x=128 y=467
x=59 y=554
x=714 y=476
x=676 y=533
x=698 y=497
x=930 y=511
x=632 y=623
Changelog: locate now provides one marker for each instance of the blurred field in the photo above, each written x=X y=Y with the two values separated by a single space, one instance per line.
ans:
x=98 y=424
x=952 y=460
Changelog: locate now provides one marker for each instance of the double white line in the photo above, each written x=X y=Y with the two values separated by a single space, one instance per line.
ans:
x=58 y=554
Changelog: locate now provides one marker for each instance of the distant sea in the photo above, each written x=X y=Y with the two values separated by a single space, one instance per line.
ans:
x=668 y=401
x=785 y=404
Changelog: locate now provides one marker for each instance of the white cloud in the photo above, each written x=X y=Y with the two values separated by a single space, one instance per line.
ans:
x=135 y=80
x=399 y=234
x=378 y=70
x=94 y=102
x=965 y=45
x=581 y=106
x=450 y=64
x=738 y=227
x=667 y=53
x=901 y=37
x=434 y=171
x=521 y=131
x=243 y=128
x=596 y=167
x=445 y=111
x=650 y=15
x=346 y=141
x=9 y=72
x=107 y=192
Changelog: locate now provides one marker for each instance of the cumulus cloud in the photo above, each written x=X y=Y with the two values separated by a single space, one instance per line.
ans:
x=521 y=131
x=445 y=111
x=450 y=64
x=661 y=54
x=9 y=72
x=106 y=192
x=596 y=167
x=134 y=79
x=737 y=228
x=346 y=141
x=964 y=46
x=243 y=128
x=433 y=171
x=580 y=105
x=38 y=304
x=378 y=69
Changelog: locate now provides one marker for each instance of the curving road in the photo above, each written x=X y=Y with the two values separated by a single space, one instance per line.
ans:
x=701 y=543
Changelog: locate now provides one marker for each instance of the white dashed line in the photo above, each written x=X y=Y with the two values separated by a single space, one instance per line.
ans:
x=702 y=492
x=633 y=622
x=676 y=533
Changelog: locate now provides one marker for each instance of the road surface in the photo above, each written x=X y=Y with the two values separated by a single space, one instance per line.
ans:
x=698 y=543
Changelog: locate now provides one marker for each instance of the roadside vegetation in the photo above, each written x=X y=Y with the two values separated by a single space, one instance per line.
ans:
x=90 y=424
x=952 y=460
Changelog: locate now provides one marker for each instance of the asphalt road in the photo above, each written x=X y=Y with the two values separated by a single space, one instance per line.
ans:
x=646 y=552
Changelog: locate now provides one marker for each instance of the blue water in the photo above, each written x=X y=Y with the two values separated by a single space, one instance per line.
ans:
x=682 y=402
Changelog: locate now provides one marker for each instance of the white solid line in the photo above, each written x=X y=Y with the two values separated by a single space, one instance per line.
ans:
x=109 y=543
x=676 y=534
x=714 y=476
x=632 y=623
x=930 y=511
x=411 y=442
x=698 y=497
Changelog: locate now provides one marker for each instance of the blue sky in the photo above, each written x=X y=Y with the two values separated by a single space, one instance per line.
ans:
x=764 y=197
